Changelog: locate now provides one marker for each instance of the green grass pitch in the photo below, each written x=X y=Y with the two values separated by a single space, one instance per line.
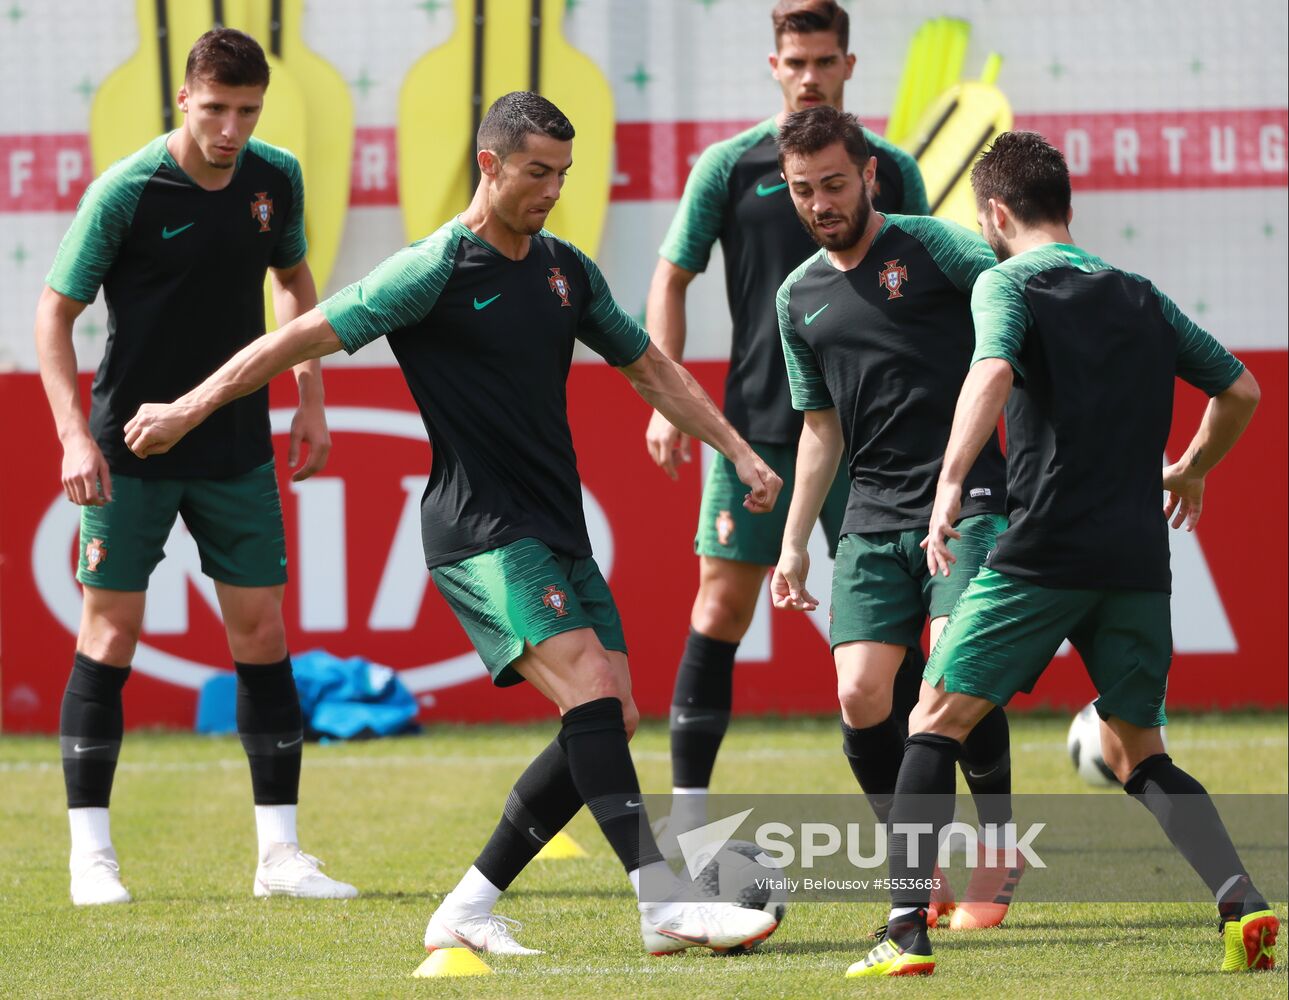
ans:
x=403 y=818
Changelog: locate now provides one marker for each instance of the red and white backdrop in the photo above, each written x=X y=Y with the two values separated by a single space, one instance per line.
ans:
x=1174 y=123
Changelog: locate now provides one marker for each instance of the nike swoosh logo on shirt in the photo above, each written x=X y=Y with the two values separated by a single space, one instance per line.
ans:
x=486 y=302
x=80 y=749
x=167 y=234
x=287 y=746
x=810 y=317
x=763 y=191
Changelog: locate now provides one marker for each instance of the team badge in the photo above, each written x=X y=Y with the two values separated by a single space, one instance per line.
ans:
x=559 y=285
x=891 y=277
x=724 y=527
x=95 y=553
x=262 y=210
x=557 y=600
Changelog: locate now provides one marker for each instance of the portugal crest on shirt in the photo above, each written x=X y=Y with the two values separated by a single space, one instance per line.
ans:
x=891 y=277
x=556 y=600
x=559 y=285
x=262 y=210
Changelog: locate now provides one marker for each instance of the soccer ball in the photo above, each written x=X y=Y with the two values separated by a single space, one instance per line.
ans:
x=1084 y=745
x=735 y=876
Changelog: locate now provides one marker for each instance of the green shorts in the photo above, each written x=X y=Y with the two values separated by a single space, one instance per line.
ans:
x=1004 y=632
x=236 y=523
x=727 y=530
x=523 y=593
x=882 y=590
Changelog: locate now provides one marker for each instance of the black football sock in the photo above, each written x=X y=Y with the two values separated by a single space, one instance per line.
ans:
x=595 y=739
x=90 y=727
x=987 y=768
x=874 y=755
x=700 y=708
x=272 y=730
x=541 y=803
x=923 y=795
x=907 y=688
x=1190 y=820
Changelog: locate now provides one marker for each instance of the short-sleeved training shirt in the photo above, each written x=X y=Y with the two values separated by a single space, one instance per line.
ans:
x=737 y=195
x=485 y=343
x=1095 y=352
x=182 y=270
x=888 y=343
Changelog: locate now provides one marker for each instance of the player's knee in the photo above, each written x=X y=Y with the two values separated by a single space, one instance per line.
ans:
x=719 y=615
x=108 y=641
x=864 y=702
x=258 y=640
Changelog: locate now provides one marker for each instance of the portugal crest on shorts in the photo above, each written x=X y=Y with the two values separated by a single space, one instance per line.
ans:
x=559 y=285
x=891 y=277
x=724 y=527
x=95 y=553
x=557 y=600
x=262 y=210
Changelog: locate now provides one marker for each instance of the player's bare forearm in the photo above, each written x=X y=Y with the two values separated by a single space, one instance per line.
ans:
x=673 y=392
x=980 y=404
x=1224 y=421
x=665 y=308
x=818 y=455
x=294 y=294
x=56 y=356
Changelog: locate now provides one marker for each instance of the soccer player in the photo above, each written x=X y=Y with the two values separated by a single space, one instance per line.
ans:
x=1083 y=357
x=877 y=336
x=179 y=236
x=737 y=196
x=482 y=316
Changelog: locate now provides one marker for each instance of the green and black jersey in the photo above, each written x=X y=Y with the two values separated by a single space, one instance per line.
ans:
x=485 y=343
x=182 y=270
x=888 y=343
x=736 y=194
x=1095 y=352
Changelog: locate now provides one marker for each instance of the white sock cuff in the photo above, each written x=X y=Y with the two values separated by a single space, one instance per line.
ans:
x=275 y=825
x=91 y=829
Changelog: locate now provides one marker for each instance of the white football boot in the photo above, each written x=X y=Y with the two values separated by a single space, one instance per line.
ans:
x=96 y=878
x=481 y=932
x=673 y=927
x=285 y=870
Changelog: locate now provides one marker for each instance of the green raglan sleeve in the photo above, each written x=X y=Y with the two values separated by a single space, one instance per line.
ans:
x=696 y=225
x=1201 y=360
x=399 y=292
x=915 y=200
x=292 y=247
x=606 y=328
x=98 y=229
x=1001 y=318
x=962 y=255
x=805 y=378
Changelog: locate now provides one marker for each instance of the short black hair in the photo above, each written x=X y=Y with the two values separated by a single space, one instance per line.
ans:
x=514 y=117
x=813 y=129
x=1027 y=174
x=229 y=57
x=804 y=17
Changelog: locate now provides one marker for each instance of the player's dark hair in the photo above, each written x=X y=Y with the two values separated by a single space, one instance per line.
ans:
x=813 y=129
x=802 y=17
x=1027 y=174
x=229 y=57
x=514 y=117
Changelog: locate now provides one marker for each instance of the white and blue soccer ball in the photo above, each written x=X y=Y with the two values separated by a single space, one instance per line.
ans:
x=1084 y=745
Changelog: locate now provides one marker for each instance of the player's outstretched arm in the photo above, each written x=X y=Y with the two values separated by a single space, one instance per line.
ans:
x=1227 y=415
x=980 y=404
x=674 y=393
x=294 y=294
x=665 y=321
x=157 y=427
x=85 y=476
x=818 y=455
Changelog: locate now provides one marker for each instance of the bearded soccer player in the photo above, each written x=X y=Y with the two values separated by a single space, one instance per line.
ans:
x=482 y=316
x=877 y=337
x=737 y=196
x=179 y=235
x=1079 y=354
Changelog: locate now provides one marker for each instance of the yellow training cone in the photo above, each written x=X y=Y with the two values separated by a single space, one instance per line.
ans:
x=452 y=962
x=561 y=847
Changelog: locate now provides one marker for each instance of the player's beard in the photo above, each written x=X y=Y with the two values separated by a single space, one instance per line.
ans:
x=848 y=235
x=996 y=242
